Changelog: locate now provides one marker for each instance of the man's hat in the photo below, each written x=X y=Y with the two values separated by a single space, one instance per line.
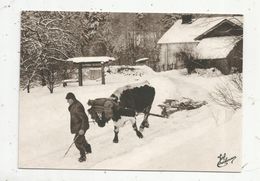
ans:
x=70 y=95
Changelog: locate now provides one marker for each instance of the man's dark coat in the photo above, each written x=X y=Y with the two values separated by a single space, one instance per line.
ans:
x=78 y=117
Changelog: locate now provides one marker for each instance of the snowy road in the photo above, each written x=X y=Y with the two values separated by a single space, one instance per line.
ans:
x=177 y=143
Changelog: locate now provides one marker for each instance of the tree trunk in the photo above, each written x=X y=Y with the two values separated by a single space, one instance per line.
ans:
x=80 y=74
x=103 y=73
x=43 y=79
x=28 y=88
x=51 y=87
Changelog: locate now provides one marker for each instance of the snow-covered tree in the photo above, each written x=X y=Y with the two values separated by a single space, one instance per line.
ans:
x=49 y=38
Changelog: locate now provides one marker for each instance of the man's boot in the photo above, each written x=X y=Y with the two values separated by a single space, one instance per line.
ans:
x=82 y=158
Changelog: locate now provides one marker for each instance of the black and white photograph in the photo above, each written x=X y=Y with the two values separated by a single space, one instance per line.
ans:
x=131 y=91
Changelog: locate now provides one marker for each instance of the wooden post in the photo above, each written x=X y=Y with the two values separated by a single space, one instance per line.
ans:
x=167 y=56
x=80 y=74
x=103 y=72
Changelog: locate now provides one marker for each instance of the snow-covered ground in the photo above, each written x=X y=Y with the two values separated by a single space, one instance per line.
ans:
x=188 y=140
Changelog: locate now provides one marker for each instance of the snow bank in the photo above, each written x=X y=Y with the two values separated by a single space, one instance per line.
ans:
x=211 y=72
x=192 y=143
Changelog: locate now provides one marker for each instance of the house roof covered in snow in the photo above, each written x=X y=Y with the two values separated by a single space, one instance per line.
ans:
x=101 y=59
x=183 y=33
x=216 y=47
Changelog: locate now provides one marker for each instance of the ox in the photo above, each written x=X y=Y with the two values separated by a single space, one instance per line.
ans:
x=124 y=105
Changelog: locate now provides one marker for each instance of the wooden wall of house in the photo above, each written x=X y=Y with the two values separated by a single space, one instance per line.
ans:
x=235 y=57
x=168 y=55
x=162 y=56
x=222 y=65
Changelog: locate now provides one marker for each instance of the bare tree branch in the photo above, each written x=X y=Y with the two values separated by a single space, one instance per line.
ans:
x=229 y=93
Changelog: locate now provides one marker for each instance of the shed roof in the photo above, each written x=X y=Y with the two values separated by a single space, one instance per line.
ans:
x=182 y=33
x=101 y=59
x=216 y=47
x=140 y=60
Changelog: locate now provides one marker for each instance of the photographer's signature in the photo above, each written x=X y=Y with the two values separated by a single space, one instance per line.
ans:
x=224 y=160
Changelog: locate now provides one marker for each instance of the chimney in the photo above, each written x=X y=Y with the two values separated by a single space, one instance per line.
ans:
x=186 y=18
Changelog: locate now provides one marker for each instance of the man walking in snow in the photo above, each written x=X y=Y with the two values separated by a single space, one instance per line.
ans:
x=78 y=125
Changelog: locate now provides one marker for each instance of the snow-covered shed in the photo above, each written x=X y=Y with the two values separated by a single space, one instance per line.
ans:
x=91 y=62
x=141 y=61
x=187 y=33
x=220 y=52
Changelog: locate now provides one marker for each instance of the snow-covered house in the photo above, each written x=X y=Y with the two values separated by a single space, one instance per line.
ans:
x=215 y=40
